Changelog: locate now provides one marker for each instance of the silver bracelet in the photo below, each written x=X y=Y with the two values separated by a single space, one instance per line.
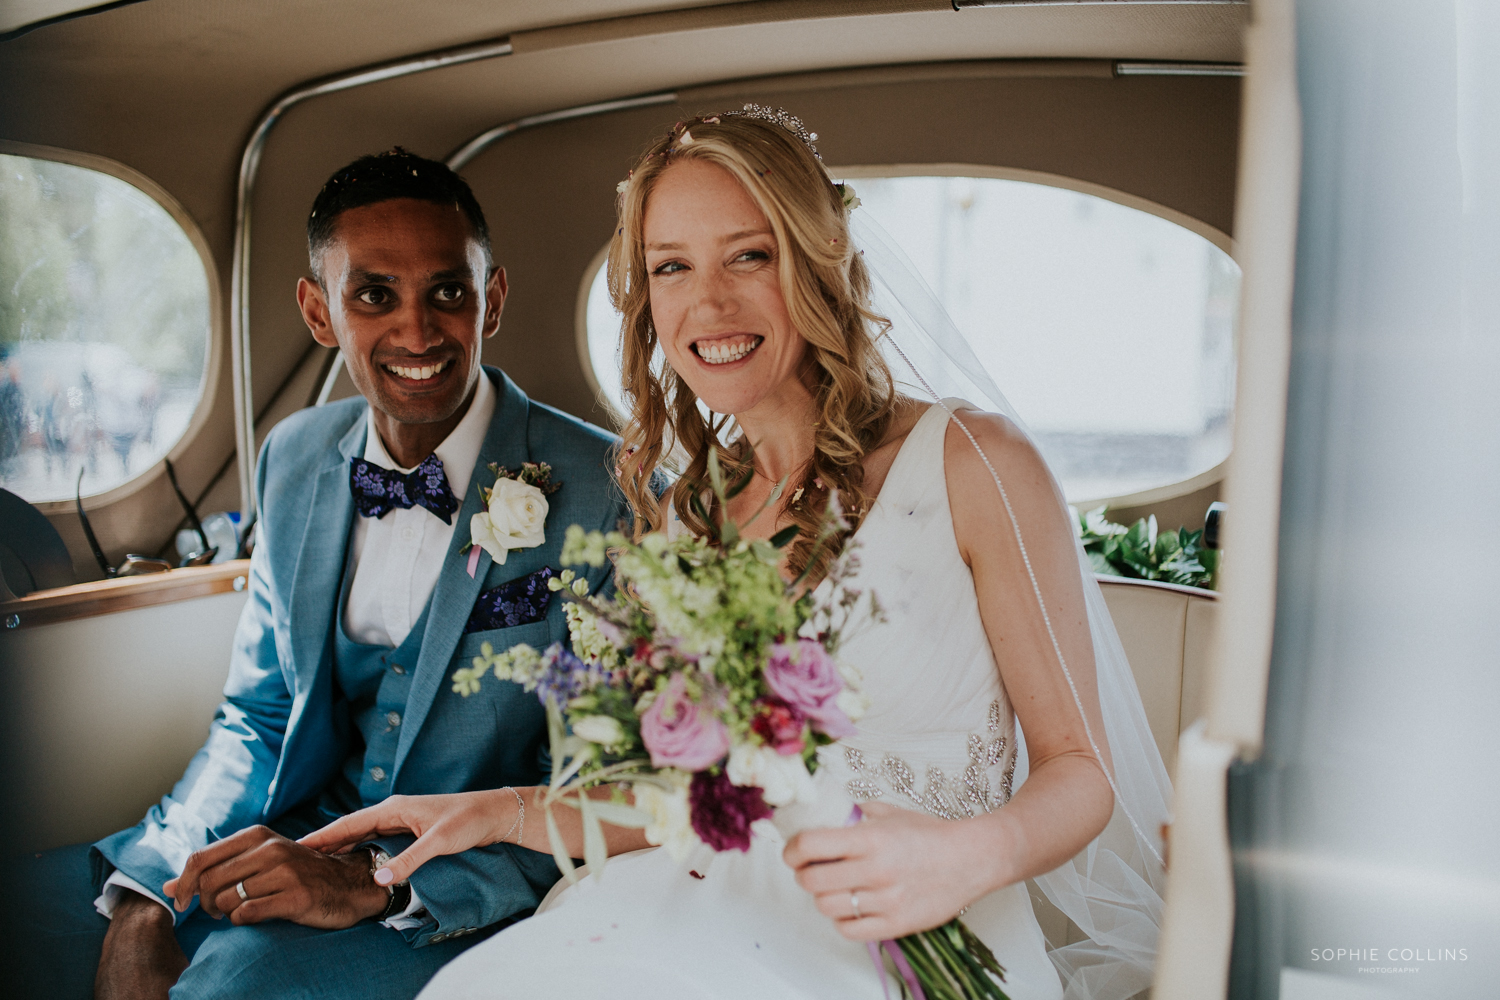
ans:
x=520 y=821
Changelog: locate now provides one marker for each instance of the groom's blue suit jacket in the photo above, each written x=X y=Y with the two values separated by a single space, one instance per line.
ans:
x=283 y=733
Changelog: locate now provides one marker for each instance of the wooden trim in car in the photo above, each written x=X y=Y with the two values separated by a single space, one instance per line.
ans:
x=105 y=597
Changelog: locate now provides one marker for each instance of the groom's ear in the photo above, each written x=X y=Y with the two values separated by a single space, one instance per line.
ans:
x=495 y=290
x=313 y=302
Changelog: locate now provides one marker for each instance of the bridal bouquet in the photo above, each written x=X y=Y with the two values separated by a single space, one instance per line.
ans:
x=705 y=687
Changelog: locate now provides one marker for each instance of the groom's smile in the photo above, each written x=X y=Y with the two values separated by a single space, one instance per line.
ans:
x=407 y=293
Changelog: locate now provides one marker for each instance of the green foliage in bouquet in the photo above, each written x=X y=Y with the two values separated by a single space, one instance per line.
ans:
x=1144 y=553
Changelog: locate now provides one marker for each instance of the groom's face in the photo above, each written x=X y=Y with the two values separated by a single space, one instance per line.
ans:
x=406 y=294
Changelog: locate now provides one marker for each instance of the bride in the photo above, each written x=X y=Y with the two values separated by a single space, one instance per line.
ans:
x=733 y=259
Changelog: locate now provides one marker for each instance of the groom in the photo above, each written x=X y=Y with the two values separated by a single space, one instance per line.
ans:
x=363 y=601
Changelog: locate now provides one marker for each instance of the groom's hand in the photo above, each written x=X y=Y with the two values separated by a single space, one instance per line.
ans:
x=281 y=879
x=141 y=959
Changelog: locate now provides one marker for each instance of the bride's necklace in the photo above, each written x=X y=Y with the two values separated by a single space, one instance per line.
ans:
x=775 y=485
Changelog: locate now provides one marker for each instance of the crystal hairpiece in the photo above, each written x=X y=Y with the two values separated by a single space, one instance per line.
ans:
x=784 y=118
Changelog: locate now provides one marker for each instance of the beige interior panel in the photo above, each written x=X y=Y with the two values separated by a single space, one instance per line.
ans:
x=1197 y=646
x=1152 y=622
x=112 y=709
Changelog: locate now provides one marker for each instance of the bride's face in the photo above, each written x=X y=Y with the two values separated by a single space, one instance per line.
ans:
x=715 y=296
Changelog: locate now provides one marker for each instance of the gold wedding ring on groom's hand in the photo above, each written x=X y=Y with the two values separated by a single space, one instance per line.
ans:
x=239 y=887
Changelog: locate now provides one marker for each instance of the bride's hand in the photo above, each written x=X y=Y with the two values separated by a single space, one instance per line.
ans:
x=443 y=824
x=905 y=868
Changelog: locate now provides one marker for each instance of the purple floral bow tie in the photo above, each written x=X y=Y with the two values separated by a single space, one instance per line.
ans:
x=378 y=490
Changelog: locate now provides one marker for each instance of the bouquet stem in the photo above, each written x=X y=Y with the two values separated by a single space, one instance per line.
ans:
x=947 y=963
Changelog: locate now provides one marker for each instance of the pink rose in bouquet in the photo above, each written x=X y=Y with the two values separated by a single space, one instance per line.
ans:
x=803 y=675
x=681 y=733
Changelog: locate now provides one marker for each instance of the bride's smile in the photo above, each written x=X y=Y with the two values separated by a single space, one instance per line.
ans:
x=716 y=296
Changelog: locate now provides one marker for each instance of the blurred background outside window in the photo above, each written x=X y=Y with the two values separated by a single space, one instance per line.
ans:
x=104 y=329
x=1111 y=329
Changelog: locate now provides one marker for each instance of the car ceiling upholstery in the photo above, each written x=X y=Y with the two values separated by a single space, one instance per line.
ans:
x=172 y=88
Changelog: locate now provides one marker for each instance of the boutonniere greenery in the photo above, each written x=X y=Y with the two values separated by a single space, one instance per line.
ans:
x=516 y=509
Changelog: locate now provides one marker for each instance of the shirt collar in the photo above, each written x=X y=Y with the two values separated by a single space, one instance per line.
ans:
x=459 y=450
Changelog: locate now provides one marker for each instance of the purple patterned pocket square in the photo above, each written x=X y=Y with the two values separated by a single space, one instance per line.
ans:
x=517 y=602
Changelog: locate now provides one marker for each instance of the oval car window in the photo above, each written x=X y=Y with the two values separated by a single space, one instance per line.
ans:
x=1110 y=329
x=104 y=329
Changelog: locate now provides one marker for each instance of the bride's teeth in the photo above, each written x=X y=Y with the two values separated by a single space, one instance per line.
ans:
x=718 y=353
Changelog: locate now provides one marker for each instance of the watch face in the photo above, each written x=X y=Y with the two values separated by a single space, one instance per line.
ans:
x=379 y=859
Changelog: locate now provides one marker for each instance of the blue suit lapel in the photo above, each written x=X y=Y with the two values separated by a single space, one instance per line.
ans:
x=318 y=580
x=456 y=591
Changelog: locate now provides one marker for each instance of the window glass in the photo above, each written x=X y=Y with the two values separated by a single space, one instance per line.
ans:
x=1110 y=329
x=104 y=329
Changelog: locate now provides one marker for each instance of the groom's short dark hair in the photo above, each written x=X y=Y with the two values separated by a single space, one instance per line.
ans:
x=381 y=177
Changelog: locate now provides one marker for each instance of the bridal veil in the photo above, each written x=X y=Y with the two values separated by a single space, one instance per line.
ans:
x=1112 y=890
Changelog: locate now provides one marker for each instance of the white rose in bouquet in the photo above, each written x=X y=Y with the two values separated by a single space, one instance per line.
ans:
x=671 y=823
x=515 y=519
x=782 y=778
x=828 y=804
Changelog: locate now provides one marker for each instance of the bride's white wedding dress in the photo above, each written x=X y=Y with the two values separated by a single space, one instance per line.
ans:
x=939 y=736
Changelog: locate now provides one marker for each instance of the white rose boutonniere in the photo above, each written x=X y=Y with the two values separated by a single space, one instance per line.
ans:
x=517 y=510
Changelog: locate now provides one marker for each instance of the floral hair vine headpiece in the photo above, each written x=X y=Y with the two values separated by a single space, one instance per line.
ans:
x=782 y=117
x=777 y=116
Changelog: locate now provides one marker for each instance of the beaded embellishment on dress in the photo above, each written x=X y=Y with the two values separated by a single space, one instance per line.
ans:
x=942 y=796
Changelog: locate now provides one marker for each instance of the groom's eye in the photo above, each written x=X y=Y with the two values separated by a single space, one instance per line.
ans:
x=374 y=296
x=448 y=294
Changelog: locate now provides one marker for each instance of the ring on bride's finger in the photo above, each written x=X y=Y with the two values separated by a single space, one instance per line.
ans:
x=854 y=903
x=239 y=887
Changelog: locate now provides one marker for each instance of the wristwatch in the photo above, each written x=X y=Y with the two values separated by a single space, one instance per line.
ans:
x=399 y=894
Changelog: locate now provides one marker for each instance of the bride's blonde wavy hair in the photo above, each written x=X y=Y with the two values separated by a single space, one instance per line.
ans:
x=827 y=292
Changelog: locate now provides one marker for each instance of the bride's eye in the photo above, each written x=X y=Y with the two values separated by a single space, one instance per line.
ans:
x=670 y=267
x=752 y=257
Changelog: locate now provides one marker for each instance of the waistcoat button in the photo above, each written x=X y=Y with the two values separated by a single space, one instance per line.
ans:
x=378 y=773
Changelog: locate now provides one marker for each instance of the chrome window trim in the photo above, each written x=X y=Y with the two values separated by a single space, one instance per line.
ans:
x=1178 y=69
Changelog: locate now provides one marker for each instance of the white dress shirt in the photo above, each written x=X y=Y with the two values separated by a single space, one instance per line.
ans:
x=396 y=561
